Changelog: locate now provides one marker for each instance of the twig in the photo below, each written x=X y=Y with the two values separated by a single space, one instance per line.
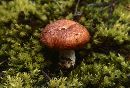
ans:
x=76 y=9
x=46 y=75
x=101 y=11
x=3 y=62
x=102 y=4
x=112 y=6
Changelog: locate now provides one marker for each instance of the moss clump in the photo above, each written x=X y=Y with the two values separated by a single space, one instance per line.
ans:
x=102 y=63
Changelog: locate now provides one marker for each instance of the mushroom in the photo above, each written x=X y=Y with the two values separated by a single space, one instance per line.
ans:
x=65 y=36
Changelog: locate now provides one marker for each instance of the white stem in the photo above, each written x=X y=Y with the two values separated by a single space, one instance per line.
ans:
x=67 y=58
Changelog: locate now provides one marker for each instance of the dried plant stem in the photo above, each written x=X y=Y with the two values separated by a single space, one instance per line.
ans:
x=46 y=75
x=76 y=9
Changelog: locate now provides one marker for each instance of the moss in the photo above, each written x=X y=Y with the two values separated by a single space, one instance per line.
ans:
x=26 y=63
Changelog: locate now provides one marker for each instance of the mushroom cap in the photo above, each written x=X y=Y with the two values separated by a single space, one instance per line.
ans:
x=64 y=34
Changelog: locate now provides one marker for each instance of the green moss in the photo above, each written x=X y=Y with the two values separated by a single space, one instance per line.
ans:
x=103 y=63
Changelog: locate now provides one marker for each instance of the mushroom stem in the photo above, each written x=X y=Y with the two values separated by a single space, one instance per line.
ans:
x=67 y=58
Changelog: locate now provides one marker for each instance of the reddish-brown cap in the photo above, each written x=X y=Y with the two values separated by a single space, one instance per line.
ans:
x=64 y=34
